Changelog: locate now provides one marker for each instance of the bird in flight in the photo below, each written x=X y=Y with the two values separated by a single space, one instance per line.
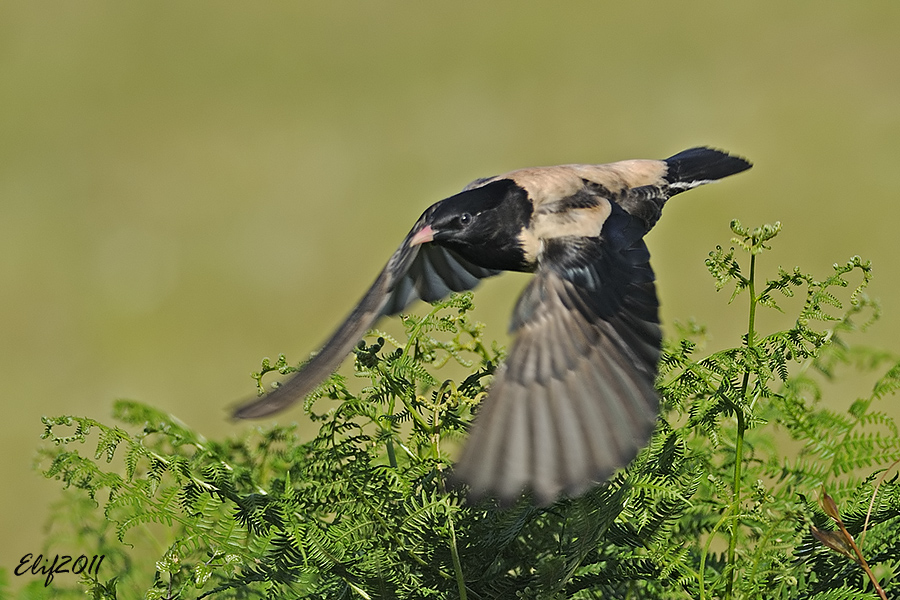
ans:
x=575 y=398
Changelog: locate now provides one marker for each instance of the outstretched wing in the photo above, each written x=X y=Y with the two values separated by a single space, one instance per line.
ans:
x=575 y=399
x=427 y=272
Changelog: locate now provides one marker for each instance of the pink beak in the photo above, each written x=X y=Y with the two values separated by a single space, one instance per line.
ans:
x=422 y=236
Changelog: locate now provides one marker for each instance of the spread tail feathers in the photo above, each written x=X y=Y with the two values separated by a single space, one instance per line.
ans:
x=697 y=166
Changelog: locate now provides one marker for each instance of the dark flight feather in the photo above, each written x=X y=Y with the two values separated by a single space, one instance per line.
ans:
x=427 y=272
x=590 y=344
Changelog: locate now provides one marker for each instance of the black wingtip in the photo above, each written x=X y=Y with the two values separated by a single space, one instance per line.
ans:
x=251 y=408
x=696 y=166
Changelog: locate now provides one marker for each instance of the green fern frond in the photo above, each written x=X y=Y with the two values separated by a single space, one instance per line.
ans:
x=713 y=507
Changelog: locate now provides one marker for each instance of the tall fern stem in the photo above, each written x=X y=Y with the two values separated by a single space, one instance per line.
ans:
x=739 y=434
x=457 y=564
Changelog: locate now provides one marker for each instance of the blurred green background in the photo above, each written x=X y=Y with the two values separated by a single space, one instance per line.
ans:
x=187 y=187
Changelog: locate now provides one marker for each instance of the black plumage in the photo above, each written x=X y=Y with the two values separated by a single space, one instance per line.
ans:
x=575 y=399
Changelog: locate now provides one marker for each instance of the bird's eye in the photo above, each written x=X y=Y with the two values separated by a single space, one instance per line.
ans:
x=465 y=219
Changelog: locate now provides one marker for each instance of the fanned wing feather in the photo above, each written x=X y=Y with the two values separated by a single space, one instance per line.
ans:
x=575 y=399
x=427 y=272
x=432 y=275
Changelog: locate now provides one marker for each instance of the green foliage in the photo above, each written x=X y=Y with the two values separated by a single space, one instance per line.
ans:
x=720 y=504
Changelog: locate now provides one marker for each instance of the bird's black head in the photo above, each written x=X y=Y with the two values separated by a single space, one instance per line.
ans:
x=482 y=224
